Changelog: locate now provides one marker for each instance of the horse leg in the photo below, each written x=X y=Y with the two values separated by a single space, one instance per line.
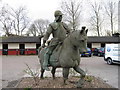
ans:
x=81 y=81
x=53 y=72
x=42 y=72
x=65 y=74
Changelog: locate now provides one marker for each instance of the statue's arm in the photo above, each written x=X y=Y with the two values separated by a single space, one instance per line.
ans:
x=46 y=36
x=48 y=32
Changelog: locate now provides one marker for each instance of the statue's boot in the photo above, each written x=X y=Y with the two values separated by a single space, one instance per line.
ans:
x=45 y=63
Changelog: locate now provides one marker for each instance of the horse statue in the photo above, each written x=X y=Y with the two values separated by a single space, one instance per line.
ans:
x=67 y=55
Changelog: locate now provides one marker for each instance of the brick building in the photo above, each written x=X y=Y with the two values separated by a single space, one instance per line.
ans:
x=19 y=45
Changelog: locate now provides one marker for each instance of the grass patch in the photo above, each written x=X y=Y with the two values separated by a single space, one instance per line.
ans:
x=88 y=78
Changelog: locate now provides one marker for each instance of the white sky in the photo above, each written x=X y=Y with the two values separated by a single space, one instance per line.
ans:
x=36 y=8
x=45 y=8
x=41 y=8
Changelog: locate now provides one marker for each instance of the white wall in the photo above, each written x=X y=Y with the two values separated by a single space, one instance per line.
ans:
x=96 y=45
x=13 y=45
x=30 y=45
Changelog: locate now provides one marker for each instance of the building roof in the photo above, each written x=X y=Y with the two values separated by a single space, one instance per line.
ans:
x=104 y=39
x=26 y=39
x=20 y=39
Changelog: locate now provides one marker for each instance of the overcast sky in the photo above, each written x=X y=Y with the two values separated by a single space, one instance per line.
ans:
x=36 y=8
x=41 y=8
x=45 y=8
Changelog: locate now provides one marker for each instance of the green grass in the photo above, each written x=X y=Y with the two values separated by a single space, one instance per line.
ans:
x=88 y=78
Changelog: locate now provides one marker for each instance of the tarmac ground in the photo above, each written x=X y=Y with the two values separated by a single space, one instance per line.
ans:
x=13 y=68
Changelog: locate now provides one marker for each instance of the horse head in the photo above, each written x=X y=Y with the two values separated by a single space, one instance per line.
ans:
x=79 y=40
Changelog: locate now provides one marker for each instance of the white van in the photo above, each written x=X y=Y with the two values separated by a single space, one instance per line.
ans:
x=112 y=53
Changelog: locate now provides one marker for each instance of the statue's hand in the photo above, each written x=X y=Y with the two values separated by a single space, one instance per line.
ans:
x=43 y=45
x=44 y=41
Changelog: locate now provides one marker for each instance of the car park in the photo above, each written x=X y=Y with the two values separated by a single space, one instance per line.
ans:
x=88 y=53
x=99 y=51
x=95 y=52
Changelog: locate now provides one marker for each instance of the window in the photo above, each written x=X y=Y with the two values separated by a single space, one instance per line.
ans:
x=22 y=49
x=89 y=45
x=102 y=44
x=5 y=49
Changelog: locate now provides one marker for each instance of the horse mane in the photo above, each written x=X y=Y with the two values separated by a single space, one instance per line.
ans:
x=71 y=33
x=70 y=36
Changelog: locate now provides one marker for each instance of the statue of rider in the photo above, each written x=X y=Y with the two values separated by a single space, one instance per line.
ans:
x=59 y=30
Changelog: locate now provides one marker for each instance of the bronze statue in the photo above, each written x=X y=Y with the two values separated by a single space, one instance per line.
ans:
x=67 y=55
x=59 y=30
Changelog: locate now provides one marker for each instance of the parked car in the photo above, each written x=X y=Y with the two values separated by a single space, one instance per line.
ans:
x=95 y=52
x=88 y=53
x=99 y=51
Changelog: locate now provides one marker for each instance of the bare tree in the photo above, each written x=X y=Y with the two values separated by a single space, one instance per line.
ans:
x=32 y=30
x=12 y=19
x=119 y=16
x=96 y=19
x=6 y=21
x=72 y=10
x=108 y=33
x=110 y=9
x=20 y=19
x=39 y=27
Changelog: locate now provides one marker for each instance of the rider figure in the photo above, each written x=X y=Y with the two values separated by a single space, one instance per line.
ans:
x=59 y=30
